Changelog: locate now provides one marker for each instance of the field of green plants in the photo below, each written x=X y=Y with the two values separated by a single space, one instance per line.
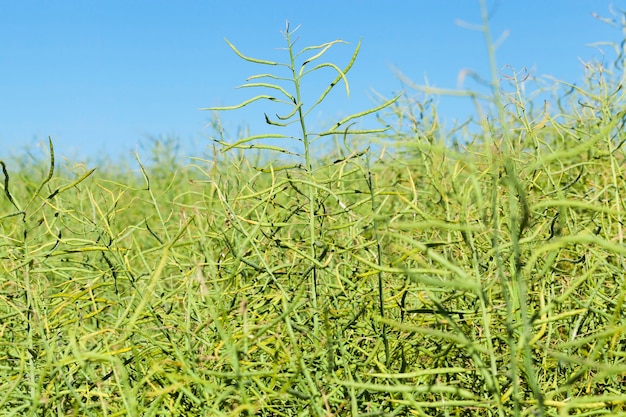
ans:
x=411 y=270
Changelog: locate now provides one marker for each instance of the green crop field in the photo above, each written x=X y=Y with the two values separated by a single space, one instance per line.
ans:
x=412 y=270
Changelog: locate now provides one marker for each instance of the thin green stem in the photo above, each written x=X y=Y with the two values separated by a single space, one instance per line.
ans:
x=312 y=192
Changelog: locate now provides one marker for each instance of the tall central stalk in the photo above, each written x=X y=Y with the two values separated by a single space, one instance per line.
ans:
x=309 y=171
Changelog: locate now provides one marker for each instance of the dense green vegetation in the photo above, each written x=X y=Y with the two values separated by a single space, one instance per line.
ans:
x=401 y=274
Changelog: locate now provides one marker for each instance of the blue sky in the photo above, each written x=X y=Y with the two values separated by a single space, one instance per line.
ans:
x=100 y=77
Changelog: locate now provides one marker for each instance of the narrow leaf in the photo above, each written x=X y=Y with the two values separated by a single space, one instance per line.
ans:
x=247 y=58
x=238 y=106
x=324 y=47
x=272 y=76
x=279 y=168
x=72 y=185
x=366 y=112
x=254 y=137
x=355 y=132
x=267 y=85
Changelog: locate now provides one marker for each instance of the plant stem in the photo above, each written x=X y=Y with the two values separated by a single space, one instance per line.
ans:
x=311 y=189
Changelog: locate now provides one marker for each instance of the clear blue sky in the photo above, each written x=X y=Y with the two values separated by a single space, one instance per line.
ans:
x=102 y=76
